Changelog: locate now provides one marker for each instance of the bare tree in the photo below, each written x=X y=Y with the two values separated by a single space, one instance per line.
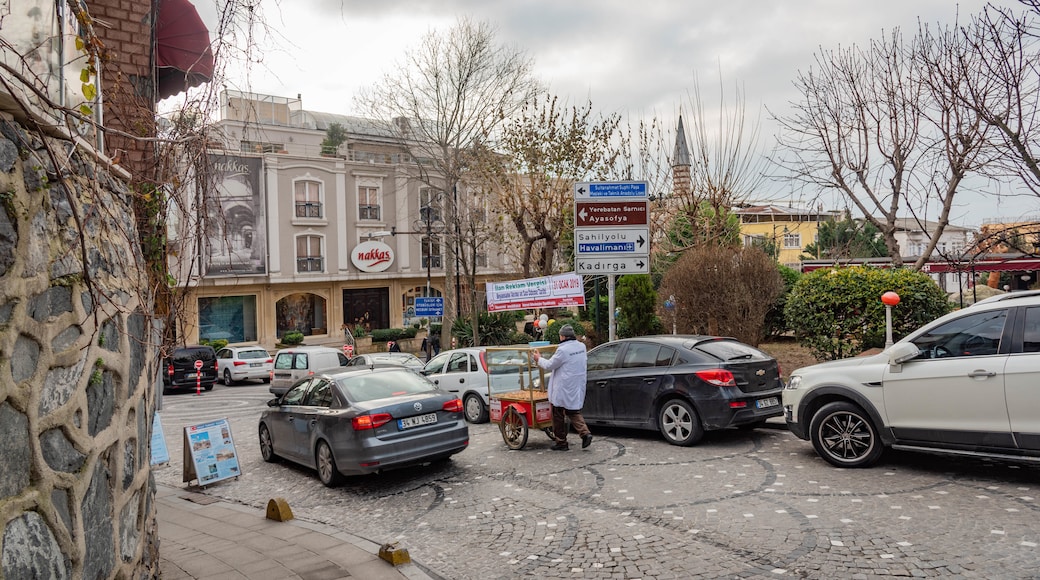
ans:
x=445 y=97
x=879 y=127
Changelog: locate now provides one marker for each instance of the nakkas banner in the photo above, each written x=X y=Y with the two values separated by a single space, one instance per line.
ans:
x=545 y=292
x=372 y=256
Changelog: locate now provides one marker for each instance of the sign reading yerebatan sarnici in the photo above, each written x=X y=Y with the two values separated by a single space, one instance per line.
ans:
x=236 y=234
x=372 y=256
x=545 y=292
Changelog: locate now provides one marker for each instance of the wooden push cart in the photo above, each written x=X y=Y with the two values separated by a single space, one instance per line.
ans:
x=517 y=392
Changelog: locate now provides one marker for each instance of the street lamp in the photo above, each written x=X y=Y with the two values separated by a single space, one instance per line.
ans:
x=426 y=225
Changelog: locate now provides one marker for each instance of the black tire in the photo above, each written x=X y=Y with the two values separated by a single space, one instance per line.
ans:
x=679 y=423
x=267 y=445
x=475 y=409
x=328 y=473
x=208 y=387
x=266 y=380
x=844 y=436
x=514 y=429
x=227 y=378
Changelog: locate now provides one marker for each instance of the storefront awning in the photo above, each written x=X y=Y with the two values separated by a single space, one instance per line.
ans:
x=183 y=57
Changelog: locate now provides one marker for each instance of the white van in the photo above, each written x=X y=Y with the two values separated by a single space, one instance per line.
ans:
x=293 y=364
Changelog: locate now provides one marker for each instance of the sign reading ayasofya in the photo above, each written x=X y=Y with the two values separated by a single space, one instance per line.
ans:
x=372 y=256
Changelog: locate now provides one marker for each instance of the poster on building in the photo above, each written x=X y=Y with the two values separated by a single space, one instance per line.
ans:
x=209 y=452
x=160 y=453
x=555 y=291
x=236 y=231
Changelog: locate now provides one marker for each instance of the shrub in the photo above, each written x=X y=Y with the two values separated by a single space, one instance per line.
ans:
x=292 y=338
x=385 y=334
x=552 y=332
x=723 y=291
x=838 y=313
x=776 y=323
x=520 y=338
x=217 y=344
x=496 y=328
x=636 y=293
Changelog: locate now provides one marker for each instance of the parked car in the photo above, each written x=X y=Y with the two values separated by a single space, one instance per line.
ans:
x=357 y=421
x=464 y=372
x=293 y=364
x=240 y=363
x=404 y=359
x=181 y=373
x=681 y=385
x=964 y=384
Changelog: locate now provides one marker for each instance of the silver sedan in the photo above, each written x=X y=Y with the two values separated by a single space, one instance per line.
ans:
x=362 y=420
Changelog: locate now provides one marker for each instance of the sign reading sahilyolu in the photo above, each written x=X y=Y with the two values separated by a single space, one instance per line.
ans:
x=545 y=292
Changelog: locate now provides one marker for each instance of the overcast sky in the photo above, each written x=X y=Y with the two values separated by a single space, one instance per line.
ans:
x=636 y=57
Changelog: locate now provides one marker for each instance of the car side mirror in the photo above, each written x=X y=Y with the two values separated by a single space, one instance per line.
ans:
x=274 y=402
x=901 y=352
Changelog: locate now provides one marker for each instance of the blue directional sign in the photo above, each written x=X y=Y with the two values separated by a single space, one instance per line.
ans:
x=431 y=306
x=610 y=190
x=624 y=247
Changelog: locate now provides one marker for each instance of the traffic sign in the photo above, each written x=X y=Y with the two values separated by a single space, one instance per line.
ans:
x=619 y=265
x=610 y=213
x=610 y=189
x=610 y=241
x=198 y=364
x=429 y=306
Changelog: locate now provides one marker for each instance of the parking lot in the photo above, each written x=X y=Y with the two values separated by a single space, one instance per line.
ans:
x=751 y=504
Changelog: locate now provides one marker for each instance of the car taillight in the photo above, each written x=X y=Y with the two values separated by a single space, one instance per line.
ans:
x=239 y=363
x=362 y=422
x=269 y=361
x=169 y=370
x=717 y=377
x=216 y=366
x=453 y=406
x=483 y=361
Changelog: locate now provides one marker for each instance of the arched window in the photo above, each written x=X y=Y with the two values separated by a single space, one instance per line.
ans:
x=304 y=312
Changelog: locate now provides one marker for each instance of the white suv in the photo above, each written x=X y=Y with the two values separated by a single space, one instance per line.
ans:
x=968 y=383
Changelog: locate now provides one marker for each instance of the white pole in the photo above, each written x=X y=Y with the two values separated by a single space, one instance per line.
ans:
x=611 y=319
x=888 y=326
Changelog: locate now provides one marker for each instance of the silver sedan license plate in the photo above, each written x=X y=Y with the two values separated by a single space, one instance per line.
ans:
x=766 y=403
x=409 y=422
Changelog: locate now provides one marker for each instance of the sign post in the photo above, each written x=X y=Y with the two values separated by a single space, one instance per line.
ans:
x=611 y=233
x=198 y=378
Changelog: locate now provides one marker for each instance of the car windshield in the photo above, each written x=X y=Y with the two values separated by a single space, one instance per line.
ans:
x=183 y=355
x=367 y=386
x=402 y=358
x=731 y=350
x=244 y=354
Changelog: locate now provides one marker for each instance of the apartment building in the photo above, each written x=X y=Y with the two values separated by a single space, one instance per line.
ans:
x=298 y=236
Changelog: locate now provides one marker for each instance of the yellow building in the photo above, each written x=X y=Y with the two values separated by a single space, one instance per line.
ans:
x=785 y=231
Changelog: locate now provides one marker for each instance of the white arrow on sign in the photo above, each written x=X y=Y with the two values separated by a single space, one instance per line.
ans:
x=610 y=189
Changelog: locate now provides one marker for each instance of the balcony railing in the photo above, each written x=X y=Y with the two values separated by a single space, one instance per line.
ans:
x=432 y=262
x=368 y=212
x=308 y=210
x=310 y=264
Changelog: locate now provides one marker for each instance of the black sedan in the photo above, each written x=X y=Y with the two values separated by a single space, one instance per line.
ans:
x=681 y=385
x=362 y=420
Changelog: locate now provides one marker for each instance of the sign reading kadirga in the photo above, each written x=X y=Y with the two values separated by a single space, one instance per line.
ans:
x=545 y=292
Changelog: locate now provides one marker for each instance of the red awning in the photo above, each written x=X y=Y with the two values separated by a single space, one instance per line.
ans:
x=183 y=58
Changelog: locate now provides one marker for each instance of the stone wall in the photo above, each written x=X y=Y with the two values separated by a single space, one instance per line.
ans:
x=76 y=353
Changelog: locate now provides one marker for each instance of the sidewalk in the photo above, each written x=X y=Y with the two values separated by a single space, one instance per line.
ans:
x=202 y=537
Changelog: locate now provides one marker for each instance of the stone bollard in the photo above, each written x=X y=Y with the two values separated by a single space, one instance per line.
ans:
x=278 y=510
x=392 y=552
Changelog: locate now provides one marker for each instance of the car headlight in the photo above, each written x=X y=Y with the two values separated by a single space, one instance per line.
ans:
x=794 y=382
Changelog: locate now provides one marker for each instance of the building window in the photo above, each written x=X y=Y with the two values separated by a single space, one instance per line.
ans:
x=309 y=254
x=429 y=206
x=792 y=241
x=431 y=252
x=231 y=318
x=368 y=203
x=303 y=312
x=308 y=199
x=481 y=260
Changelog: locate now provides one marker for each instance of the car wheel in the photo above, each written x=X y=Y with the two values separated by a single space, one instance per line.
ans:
x=679 y=423
x=227 y=377
x=267 y=445
x=476 y=411
x=844 y=436
x=327 y=471
x=266 y=380
x=208 y=387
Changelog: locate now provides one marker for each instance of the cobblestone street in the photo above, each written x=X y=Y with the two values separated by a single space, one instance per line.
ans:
x=751 y=504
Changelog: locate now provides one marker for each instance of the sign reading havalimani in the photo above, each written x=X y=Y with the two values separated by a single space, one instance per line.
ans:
x=545 y=292
x=209 y=452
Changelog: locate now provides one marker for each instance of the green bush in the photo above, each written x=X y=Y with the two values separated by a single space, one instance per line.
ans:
x=216 y=344
x=838 y=313
x=636 y=297
x=384 y=334
x=292 y=338
x=520 y=338
x=496 y=328
x=776 y=323
x=552 y=333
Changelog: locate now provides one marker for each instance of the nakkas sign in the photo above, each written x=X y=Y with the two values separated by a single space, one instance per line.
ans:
x=372 y=256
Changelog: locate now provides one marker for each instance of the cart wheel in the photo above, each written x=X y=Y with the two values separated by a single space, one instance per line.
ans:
x=514 y=429
x=549 y=433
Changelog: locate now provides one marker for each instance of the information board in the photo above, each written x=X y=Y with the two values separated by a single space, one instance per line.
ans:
x=160 y=453
x=209 y=452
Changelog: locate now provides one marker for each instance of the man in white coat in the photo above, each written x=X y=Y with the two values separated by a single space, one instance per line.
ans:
x=567 y=387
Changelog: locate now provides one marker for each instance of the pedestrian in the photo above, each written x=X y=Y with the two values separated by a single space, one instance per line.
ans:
x=392 y=346
x=426 y=348
x=435 y=343
x=566 y=387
